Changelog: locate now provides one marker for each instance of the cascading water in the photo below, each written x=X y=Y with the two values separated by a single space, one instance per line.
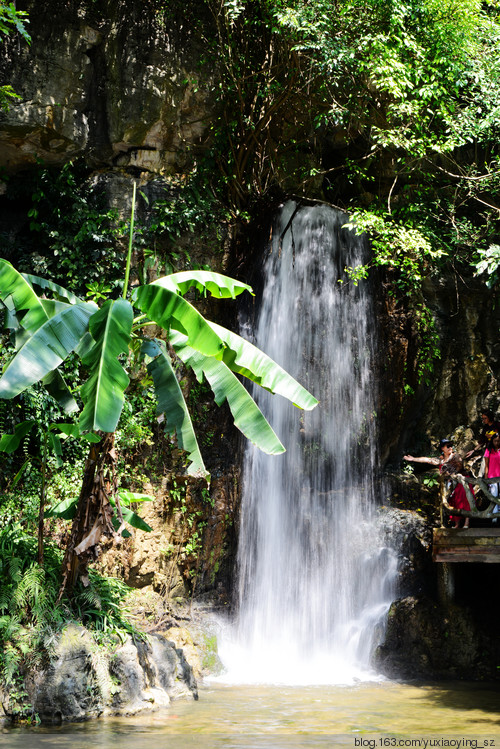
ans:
x=314 y=579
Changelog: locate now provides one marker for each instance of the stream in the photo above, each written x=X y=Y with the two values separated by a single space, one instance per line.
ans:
x=369 y=714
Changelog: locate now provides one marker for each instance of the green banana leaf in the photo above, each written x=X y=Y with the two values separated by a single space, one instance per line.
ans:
x=59 y=291
x=73 y=430
x=55 y=444
x=104 y=392
x=116 y=525
x=10 y=442
x=53 y=306
x=246 y=359
x=133 y=519
x=17 y=294
x=248 y=417
x=55 y=385
x=65 y=509
x=46 y=349
x=126 y=498
x=219 y=286
x=169 y=310
x=171 y=403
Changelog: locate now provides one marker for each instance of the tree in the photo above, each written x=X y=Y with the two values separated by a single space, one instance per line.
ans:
x=53 y=323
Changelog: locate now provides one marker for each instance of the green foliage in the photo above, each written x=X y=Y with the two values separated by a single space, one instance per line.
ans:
x=404 y=249
x=11 y=20
x=190 y=206
x=73 y=238
x=109 y=341
x=409 y=255
x=489 y=264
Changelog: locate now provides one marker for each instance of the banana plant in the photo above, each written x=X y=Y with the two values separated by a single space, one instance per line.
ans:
x=49 y=323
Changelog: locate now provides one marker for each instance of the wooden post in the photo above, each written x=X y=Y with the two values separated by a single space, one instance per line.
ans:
x=446 y=583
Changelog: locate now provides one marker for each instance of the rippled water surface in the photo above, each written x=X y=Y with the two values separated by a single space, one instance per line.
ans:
x=262 y=716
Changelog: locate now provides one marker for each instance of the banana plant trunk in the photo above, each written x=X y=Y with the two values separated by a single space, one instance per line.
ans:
x=94 y=513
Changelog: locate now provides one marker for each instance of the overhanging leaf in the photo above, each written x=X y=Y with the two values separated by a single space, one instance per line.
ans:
x=10 y=442
x=219 y=286
x=134 y=520
x=248 y=417
x=59 y=291
x=246 y=359
x=169 y=310
x=103 y=393
x=171 y=403
x=46 y=349
x=17 y=294
x=116 y=525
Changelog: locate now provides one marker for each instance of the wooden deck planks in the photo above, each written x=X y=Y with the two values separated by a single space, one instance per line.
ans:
x=466 y=545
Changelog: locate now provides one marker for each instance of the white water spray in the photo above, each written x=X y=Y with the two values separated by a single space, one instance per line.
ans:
x=314 y=580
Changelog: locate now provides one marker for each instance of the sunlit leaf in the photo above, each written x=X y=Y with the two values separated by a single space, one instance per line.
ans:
x=169 y=310
x=46 y=349
x=248 y=417
x=246 y=359
x=218 y=285
x=103 y=393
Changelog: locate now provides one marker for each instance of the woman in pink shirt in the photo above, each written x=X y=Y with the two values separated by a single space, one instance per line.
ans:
x=492 y=465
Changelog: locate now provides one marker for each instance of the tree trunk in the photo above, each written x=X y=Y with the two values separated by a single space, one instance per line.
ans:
x=94 y=513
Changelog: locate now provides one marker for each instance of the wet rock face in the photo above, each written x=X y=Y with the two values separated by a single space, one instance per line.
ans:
x=117 y=82
x=82 y=681
x=410 y=535
x=427 y=640
x=466 y=378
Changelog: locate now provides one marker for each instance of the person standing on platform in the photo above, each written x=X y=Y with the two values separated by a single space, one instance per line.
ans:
x=449 y=463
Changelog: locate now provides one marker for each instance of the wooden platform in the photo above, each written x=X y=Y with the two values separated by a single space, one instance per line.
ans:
x=466 y=545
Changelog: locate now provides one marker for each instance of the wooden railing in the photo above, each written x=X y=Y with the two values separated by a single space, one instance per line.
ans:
x=448 y=484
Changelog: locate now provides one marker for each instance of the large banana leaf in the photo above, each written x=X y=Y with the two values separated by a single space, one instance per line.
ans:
x=245 y=359
x=103 y=393
x=248 y=417
x=171 y=403
x=53 y=306
x=169 y=310
x=219 y=286
x=59 y=291
x=17 y=295
x=46 y=349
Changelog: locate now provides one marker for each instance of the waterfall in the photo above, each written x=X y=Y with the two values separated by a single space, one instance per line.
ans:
x=314 y=579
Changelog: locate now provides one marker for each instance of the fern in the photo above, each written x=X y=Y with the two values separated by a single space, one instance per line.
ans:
x=30 y=594
x=11 y=659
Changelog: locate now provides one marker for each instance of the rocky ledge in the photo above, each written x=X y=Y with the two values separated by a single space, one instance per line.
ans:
x=82 y=681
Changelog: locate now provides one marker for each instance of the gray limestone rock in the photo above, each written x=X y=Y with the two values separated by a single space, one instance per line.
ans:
x=83 y=681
